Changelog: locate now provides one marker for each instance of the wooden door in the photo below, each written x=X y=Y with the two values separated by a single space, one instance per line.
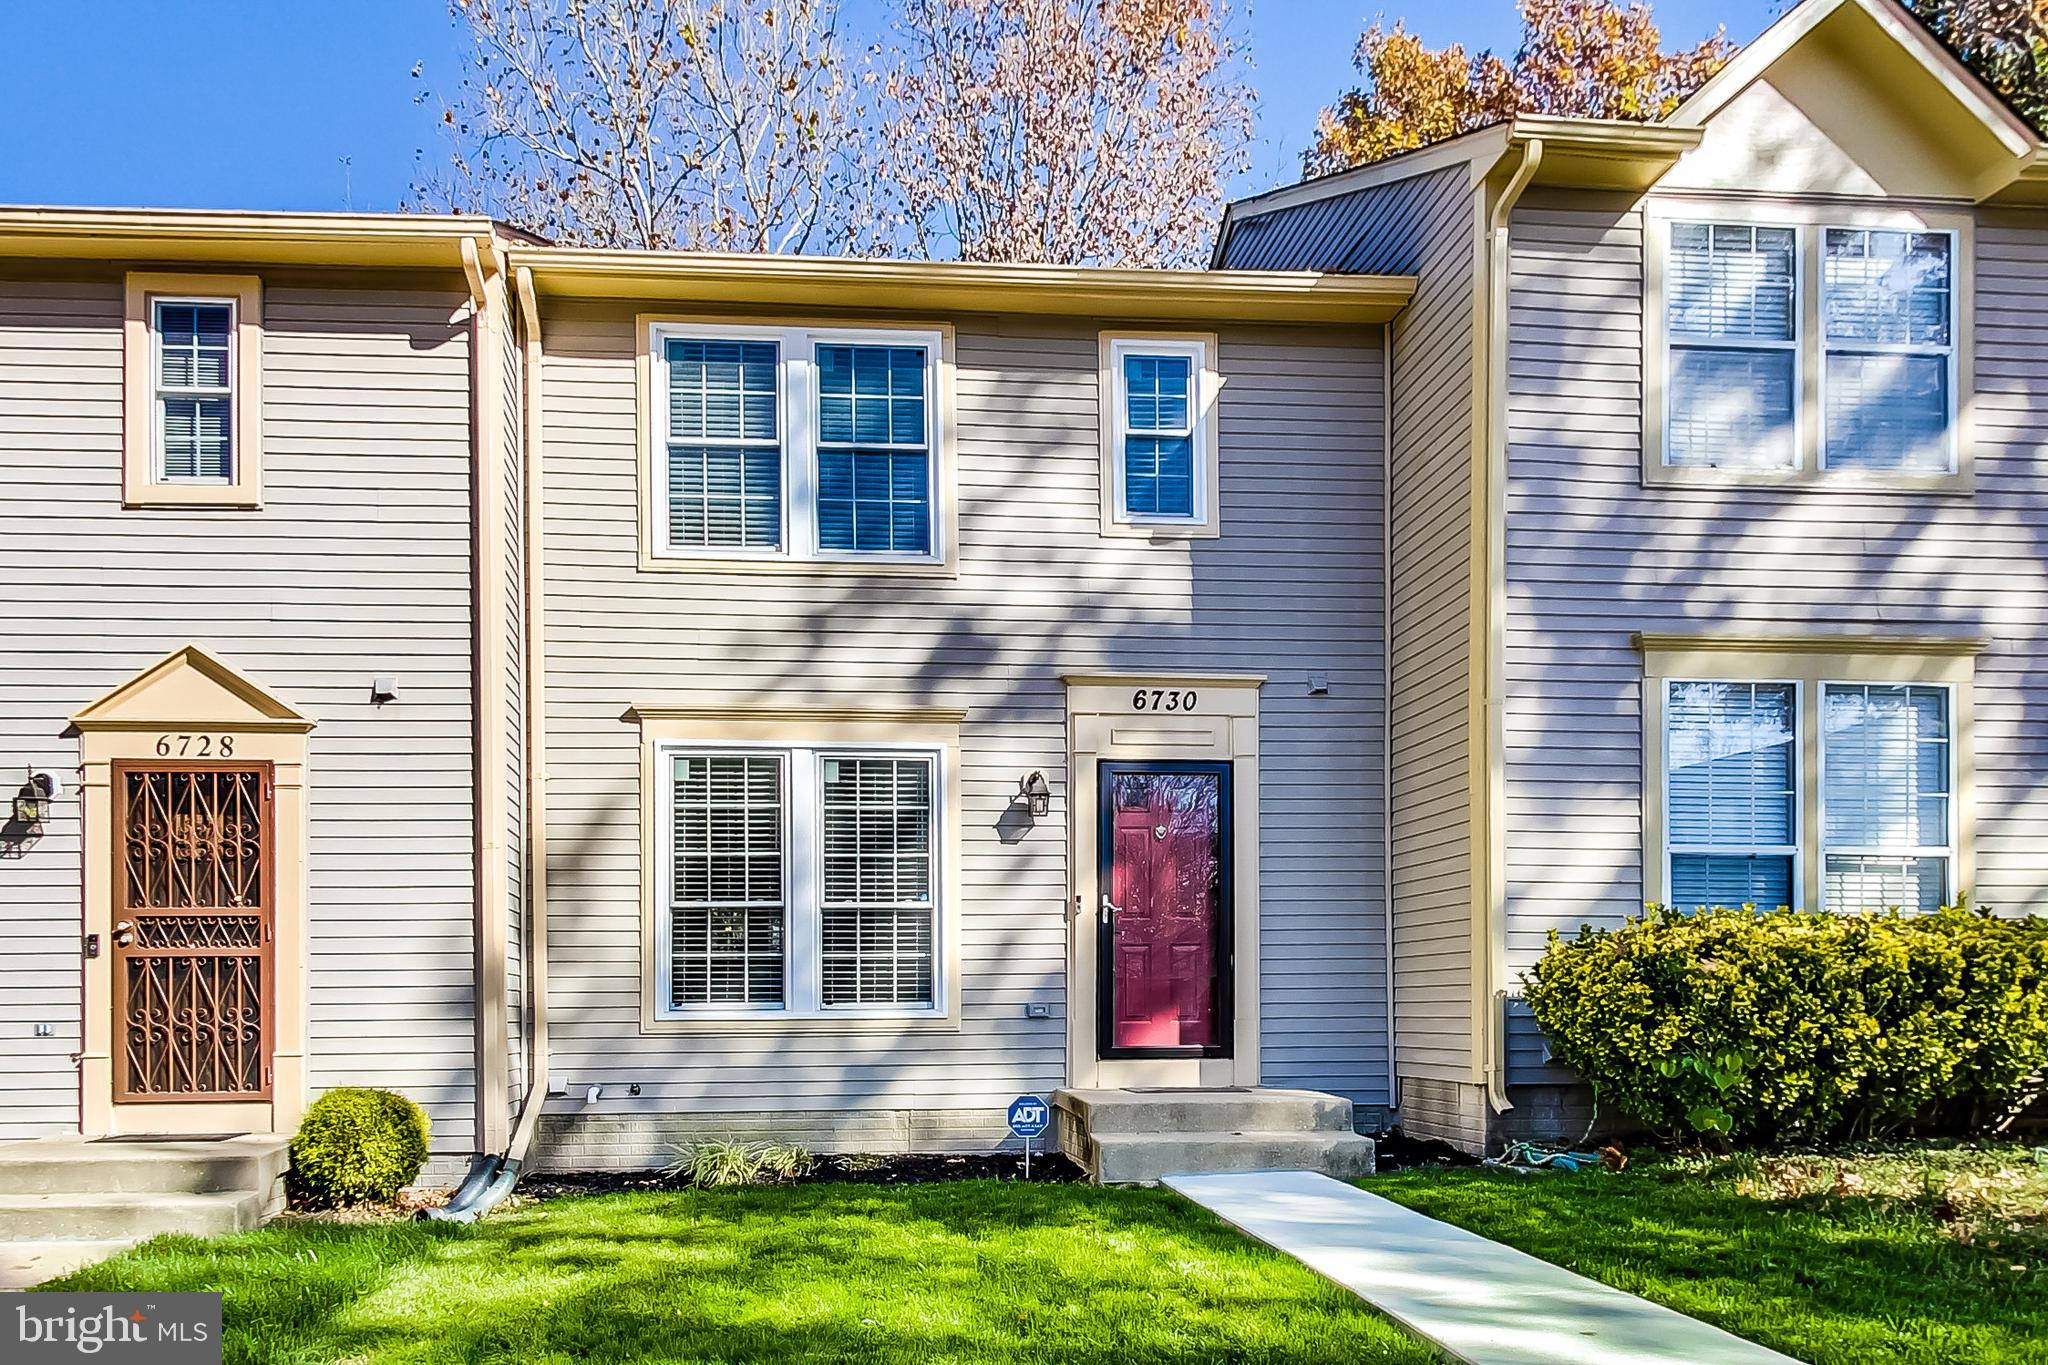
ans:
x=194 y=913
x=1165 y=917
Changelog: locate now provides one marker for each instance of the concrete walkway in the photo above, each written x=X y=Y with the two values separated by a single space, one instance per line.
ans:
x=24 y=1265
x=1475 y=1300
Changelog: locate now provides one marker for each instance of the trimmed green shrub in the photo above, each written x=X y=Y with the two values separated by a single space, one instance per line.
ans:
x=358 y=1146
x=1771 y=1025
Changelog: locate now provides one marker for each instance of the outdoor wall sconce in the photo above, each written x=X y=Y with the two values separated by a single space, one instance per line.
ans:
x=32 y=802
x=1035 y=795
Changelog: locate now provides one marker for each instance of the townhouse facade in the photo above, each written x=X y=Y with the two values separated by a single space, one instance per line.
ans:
x=618 y=698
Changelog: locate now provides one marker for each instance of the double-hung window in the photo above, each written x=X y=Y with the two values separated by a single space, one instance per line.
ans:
x=1159 y=434
x=800 y=880
x=796 y=444
x=191 y=360
x=1809 y=791
x=1806 y=351
x=195 y=390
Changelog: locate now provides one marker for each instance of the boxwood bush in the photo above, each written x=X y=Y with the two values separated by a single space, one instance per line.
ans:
x=358 y=1146
x=1781 y=1025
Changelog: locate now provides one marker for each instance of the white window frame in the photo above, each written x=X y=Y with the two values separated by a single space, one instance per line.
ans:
x=1796 y=344
x=1788 y=851
x=1949 y=852
x=1204 y=391
x=159 y=391
x=803 y=882
x=1951 y=444
x=797 y=395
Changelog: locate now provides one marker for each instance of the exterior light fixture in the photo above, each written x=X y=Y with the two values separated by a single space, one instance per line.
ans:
x=32 y=802
x=1036 y=796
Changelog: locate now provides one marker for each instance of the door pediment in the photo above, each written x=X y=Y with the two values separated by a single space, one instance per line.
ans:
x=188 y=686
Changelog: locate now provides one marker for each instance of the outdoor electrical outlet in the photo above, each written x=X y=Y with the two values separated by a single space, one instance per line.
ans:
x=1038 y=1010
x=42 y=1030
x=633 y=1089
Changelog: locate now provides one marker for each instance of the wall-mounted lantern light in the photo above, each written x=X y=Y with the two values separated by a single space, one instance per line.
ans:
x=1036 y=796
x=32 y=802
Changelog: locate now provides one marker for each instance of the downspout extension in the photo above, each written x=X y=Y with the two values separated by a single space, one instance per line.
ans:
x=1497 y=278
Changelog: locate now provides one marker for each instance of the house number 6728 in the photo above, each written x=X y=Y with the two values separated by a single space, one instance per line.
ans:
x=195 y=746
x=1162 y=699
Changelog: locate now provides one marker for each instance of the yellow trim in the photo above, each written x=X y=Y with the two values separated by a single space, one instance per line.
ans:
x=1810 y=219
x=1209 y=401
x=945 y=493
x=1809 y=661
x=662 y=724
x=189 y=691
x=139 y=484
x=391 y=240
x=812 y=282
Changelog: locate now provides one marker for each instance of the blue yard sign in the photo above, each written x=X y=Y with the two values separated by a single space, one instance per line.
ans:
x=1029 y=1116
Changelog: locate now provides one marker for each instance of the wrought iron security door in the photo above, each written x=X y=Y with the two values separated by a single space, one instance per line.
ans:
x=193 y=915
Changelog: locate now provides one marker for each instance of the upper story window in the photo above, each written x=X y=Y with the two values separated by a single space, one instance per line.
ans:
x=191 y=361
x=1159 y=435
x=797 y=444
x=1808 y=351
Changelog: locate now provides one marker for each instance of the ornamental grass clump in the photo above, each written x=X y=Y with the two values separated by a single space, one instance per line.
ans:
x=357 y=1146
x=1785 y=1025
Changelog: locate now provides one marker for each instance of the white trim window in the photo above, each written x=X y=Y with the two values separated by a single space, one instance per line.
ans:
x=1732 y=323
x=1161 y=460
x=797 y=443
x=192 y=373
x=1888 y=380
x=801 y=881
x=1743 y=823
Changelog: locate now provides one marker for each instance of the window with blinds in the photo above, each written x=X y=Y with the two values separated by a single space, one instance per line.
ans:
x=1732 y=324
x=724 y=483
x=1731 y=793
x=1888 y=302
x=1887 y=829
x=728 y=910
x=195 y=398
x=874 y=449
x=1158 y=436
x=877 y=874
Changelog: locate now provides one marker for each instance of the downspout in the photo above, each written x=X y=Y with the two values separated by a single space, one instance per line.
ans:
x=493 y=1177
x=1387 y=697
x=1494 y=674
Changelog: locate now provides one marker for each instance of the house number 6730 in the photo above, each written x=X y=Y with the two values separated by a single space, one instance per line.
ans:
x=195 y=746
x=1162 y=699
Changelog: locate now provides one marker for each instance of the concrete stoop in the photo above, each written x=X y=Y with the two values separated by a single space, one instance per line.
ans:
x=1138 y=1137
x=75 y=1189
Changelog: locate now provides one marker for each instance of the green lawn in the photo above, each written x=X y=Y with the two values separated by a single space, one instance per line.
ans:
x=970 y=1271
x=1917 y=1257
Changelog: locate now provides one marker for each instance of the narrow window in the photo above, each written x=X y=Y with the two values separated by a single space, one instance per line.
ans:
x=727 y=905
x=1732 y=322
x=1887 y=838
x=724 y=459
x=874 y=450
x=1731 y=793
x=195 y=398
x=1158 y=436
x=1889 y=302
x=876 y=839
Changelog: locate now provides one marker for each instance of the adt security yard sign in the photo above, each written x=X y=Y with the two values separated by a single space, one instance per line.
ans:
x=1029 y=1116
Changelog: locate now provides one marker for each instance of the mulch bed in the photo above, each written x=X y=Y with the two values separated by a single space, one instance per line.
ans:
x=1046 y=1168
x=1399 y=1152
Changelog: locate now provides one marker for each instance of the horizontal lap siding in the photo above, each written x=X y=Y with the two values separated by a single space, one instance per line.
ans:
x=1594 y=557
x=358 y=565
x=1290 y=587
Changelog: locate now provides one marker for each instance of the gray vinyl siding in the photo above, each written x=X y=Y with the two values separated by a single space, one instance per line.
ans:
x=1593 y=556
x=1291 y=586
x=1422 y=225
x=358 y=565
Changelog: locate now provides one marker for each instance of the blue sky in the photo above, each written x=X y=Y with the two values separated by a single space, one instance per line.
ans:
x=115 y=103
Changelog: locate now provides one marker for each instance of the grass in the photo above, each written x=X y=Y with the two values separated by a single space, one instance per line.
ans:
x=1913 y=1257
x=968 y=1271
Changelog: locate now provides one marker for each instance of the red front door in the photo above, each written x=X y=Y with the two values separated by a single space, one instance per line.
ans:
x=1165 y=873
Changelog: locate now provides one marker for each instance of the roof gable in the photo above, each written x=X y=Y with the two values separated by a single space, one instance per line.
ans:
x=188 y=686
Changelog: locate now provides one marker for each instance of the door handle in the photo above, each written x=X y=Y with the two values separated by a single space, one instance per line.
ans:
x=1110 y=909
x=124 y=934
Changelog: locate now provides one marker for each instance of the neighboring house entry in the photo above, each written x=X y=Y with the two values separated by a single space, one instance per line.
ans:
x=1164 y=918
x=194 y=921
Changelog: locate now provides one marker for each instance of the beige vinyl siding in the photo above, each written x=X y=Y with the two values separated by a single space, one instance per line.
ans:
x=357 y=566
x=1291 y=586
x=1593 y=556
x=1422 y=225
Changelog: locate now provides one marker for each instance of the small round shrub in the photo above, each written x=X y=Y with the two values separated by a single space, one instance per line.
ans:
x=358 y=1146
x=1780 y=1025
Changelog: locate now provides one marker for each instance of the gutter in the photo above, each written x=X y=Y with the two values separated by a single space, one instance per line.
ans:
x=1494 y=969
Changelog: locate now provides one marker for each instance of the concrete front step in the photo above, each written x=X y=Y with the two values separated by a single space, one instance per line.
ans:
x=1207 y=1111
x=253 y=1162
x=112 y=1217
x=1146 y=1159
